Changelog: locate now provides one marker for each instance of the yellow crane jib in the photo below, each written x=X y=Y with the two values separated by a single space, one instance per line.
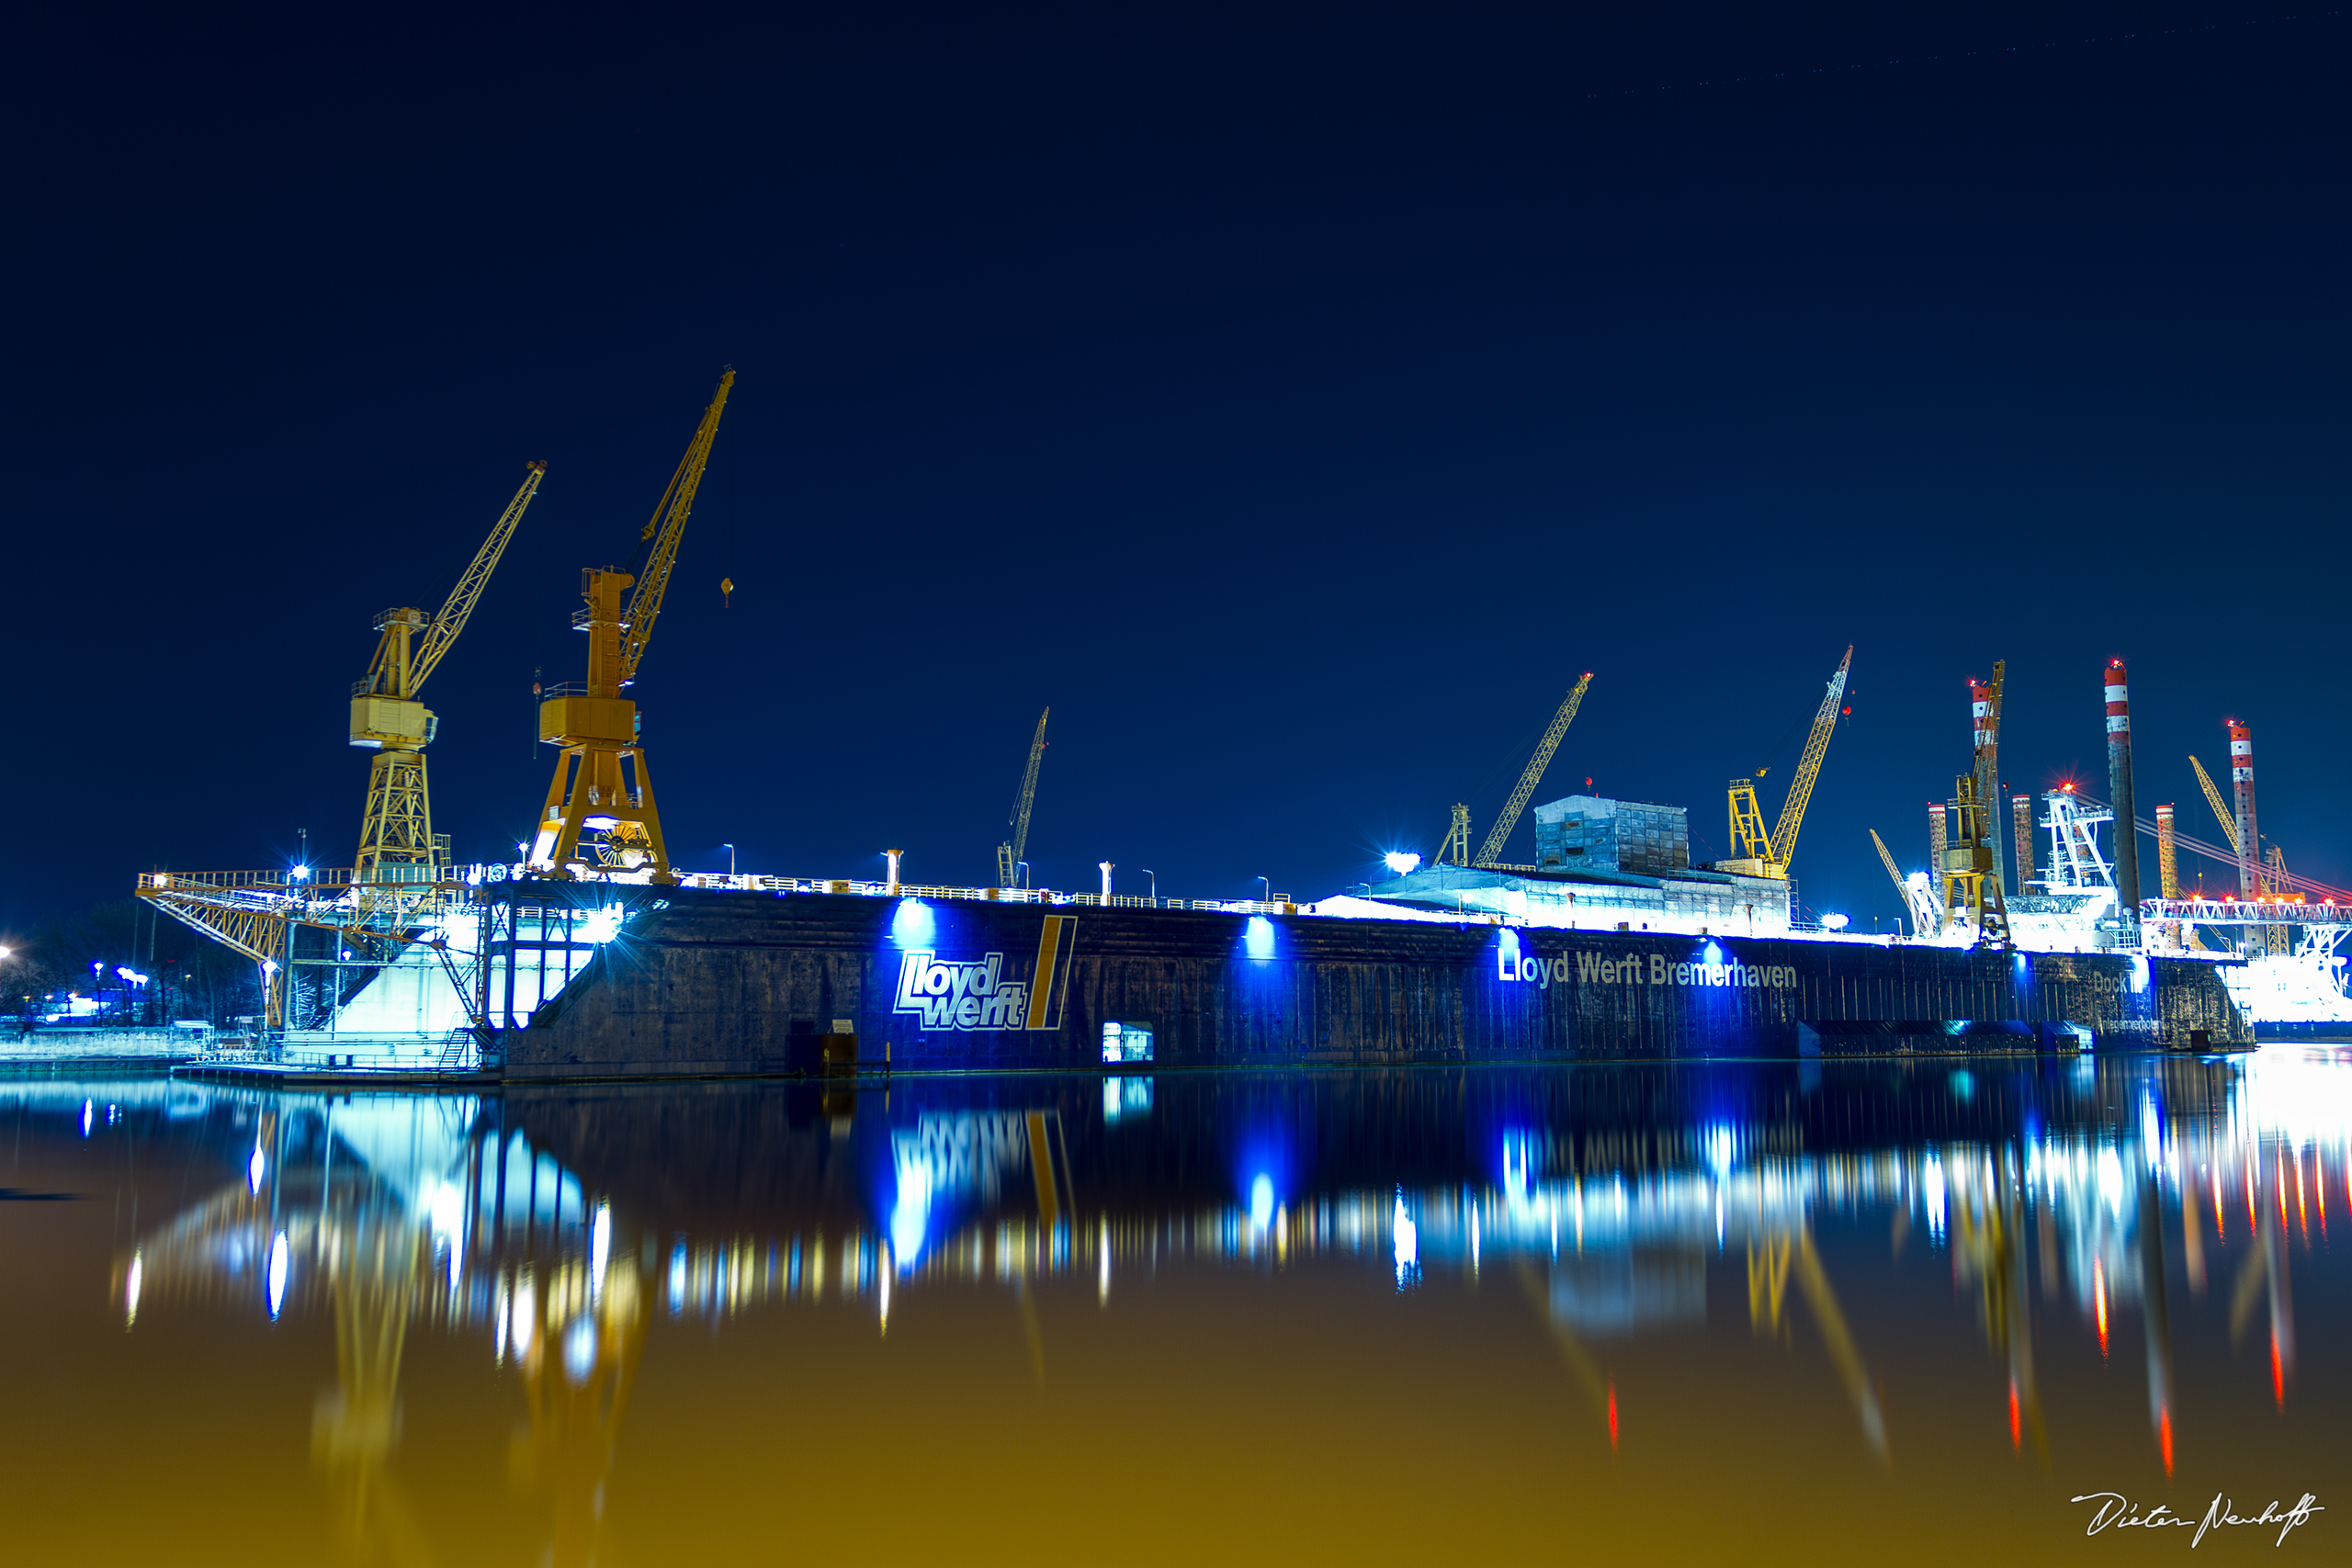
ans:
x=1754 y=852
x=1499 y=835
x=662 y=533
x=600 y=818
x=396 y=840
x=2221 y=812
x=1008 y=854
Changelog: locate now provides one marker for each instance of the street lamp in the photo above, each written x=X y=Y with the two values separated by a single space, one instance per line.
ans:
x=730 y=858
x=1266 y=885
x=1153 y=874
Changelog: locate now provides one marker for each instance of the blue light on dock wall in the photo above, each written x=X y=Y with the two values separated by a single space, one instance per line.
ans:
x=913 y=925
x=1257 y=938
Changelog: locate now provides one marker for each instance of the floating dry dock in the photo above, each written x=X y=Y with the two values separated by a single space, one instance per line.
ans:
x=708 y=983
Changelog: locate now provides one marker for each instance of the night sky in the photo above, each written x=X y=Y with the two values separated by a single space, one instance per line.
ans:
x=1297 y=400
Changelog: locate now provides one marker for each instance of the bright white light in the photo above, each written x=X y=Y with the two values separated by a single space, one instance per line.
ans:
x=1408 y=1242
x=1720 y=1145
x=1259 y=937
x=255 y=1167
x=1833 y=922
x=604 y=924
x=678 y=1279
x=526 y=1320
x=1261 y=1201
x=599 y=824
x=580 y=1349
x=130 y=1288
x=277 y=1261
x=446 y=1208
x=1402 y=862
x=301 y=873
x=912 y=925
x=85 y=1118
x=600 y=1248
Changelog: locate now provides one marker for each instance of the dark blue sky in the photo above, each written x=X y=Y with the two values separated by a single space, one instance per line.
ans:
x=1295 y=399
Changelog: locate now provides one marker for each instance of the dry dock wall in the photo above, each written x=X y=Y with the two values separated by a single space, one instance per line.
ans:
x=717 y=983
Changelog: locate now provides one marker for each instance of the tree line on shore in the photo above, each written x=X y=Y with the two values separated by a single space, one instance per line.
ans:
x=125 y=964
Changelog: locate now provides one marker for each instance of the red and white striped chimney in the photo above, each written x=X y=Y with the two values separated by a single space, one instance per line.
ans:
x=2241 y=784
x=2119 y=787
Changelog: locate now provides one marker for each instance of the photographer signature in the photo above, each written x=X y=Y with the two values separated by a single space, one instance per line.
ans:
x=2120 y=1512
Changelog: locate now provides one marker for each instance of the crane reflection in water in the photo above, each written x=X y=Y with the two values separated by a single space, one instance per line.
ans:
x=555 y=1234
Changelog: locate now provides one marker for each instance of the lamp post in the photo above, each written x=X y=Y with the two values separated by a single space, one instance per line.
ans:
x=731 y=860
x=1266 y=885
x=1148 y=872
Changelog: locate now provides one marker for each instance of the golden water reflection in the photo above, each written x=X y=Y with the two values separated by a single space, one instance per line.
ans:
x=824 y=1301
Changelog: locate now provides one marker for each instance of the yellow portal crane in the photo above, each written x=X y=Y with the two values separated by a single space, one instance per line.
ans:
x=1755 y=852
x=600 y=818
x=1497 y=836
x=397 y=846
x=1455 y=851
x=1008 y=854
x=2221 y=812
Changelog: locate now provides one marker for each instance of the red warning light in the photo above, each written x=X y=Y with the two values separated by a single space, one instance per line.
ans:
x=1612 y=1416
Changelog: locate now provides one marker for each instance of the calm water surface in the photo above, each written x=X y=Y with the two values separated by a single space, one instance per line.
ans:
x=1757 y=1312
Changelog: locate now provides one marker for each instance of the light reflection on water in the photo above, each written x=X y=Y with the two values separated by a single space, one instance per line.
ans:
x=1999 y=1285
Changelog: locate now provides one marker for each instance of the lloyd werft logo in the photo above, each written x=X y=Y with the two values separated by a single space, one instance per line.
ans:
x=979 y=994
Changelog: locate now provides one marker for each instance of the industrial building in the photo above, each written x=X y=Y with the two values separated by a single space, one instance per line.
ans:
x=1606 y=865
x=1588 y=833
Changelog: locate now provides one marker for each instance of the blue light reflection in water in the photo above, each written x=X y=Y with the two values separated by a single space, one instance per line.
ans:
x=1624 y=1214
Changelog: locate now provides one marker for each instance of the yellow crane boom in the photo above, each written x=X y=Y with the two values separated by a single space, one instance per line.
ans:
x=1008 y=854
x=1525 y=791
x=1755 y=853
x=663 y=533
x=2221 y=812
x=1901 y=889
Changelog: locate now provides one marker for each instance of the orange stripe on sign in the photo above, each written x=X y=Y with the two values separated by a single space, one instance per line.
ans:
x=1049 y=951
